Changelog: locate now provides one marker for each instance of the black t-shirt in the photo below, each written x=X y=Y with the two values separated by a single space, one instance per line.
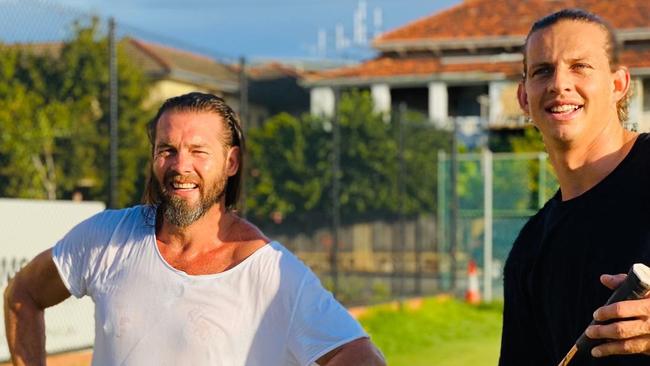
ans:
x=551 y=279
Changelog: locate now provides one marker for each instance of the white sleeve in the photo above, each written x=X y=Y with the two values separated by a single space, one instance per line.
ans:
x=319 y=323
x=75 y=255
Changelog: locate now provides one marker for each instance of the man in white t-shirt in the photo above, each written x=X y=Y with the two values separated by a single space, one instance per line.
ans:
x=183 y=280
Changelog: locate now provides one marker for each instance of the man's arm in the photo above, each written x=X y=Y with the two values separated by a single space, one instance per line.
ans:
x=34 y=288
x=360 y=352
x=627 y=336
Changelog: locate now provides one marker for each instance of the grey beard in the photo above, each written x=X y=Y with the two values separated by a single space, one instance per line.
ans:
x=178 y=213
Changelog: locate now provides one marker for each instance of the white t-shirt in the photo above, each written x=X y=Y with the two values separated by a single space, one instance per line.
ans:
x=268 y=310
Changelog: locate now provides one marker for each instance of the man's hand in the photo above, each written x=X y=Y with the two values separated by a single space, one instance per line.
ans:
x=630 y=334
x=360 y=352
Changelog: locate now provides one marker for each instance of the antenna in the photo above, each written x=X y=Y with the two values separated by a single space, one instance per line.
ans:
x=359 y=25
x=377 y=22
x=340 y=41
x=321 y=48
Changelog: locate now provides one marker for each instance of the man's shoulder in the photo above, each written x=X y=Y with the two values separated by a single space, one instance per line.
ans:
x=140 y=212
x=105 y=224
x=289 y=265
x=641 y=147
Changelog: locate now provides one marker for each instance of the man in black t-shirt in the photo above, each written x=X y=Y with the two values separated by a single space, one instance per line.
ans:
x=575 y=93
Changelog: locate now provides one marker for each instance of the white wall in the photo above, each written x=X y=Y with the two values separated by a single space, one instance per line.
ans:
x=381 y=97
x=322 y=101
x=438 y=102
x=28 y=227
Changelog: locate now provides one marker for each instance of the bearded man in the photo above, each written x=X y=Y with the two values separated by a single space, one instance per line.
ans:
x=182 y=279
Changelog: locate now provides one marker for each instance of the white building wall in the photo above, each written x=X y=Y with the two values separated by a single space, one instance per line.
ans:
x=381 y=97
x=29 y=227
x=636 y=118
x=438 y=103
x=495 y=108
x=322 y=101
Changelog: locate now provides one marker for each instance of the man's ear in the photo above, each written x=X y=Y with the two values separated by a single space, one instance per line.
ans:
x=621 y=84
x=232 y=160
x=522 y=97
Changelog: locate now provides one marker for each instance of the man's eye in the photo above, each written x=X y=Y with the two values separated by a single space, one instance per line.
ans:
x=542 y=71
x=581 y=66
x=164 y=152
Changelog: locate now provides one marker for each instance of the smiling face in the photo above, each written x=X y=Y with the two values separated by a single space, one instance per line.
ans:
x=191 y=164
x=570 y=91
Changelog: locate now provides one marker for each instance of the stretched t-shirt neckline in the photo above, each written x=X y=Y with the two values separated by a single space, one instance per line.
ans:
x=236 y=268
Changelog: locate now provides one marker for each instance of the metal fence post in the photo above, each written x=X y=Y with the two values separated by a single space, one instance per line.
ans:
x=113 y=115
x=487 y=223
x=243 y=120
x=336 y=182
x=455 y=206
x=400 y=248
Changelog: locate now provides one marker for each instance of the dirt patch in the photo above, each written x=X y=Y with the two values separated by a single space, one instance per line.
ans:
x=77 y=358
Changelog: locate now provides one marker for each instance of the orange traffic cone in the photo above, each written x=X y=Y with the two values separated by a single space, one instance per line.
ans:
x=472 y=295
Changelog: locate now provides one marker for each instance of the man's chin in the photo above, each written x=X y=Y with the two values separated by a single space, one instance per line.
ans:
x=182 y=216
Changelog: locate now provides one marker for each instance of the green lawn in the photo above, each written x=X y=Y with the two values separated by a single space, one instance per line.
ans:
x=443 y=332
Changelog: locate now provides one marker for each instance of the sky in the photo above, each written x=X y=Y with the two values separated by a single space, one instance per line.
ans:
x=257 y=29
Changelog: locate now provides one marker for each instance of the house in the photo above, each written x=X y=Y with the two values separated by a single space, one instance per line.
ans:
x=466 y=61
x=274 y=87
x=175 y=72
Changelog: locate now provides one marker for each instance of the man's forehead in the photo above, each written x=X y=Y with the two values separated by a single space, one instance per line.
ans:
x=571 y=37
x=189 y=114
x=194 y=122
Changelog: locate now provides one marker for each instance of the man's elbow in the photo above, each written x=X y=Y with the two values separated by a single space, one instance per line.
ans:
x=376 y=358
x=9 y=292
x=361 y=352
x=17 y=298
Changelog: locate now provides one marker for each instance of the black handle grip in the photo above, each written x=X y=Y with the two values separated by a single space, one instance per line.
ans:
x=636 y=286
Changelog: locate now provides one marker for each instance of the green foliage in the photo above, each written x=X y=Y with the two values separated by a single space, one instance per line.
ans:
x=289 y=166
x=438 y=325
x=532 y=141
x=54 y=120
x=291 y=161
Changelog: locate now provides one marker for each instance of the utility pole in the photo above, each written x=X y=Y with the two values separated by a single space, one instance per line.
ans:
x=336 y=188
x=453 y=224
x=401 y=247
x=243 y=120
x=113 y=115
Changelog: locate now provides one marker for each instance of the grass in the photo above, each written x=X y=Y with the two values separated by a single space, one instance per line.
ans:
x=442 y=332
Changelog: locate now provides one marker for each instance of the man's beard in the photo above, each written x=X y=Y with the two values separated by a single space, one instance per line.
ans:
x=179 y=212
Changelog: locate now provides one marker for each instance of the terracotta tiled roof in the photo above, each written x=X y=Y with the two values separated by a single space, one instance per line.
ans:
x=389 y=67
x=272 y=70
x=396 y=67
x=489 y=18
x=479 y=21
x=179 y=64
x=635 y=58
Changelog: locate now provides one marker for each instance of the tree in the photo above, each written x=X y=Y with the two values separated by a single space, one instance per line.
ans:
x=292 y=166
x=54 y=120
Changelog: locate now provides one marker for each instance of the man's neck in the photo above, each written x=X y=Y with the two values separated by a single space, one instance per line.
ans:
x=579 y=167
x=208 y=232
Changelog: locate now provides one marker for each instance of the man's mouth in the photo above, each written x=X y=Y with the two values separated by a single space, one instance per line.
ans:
x=177 y=185
x=563 y=109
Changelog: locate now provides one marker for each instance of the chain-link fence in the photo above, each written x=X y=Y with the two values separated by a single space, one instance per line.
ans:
x=382 y=229
x=516 y=185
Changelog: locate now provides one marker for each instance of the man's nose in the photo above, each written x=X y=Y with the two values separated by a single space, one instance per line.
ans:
x=561 y=81
x=182 y=162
